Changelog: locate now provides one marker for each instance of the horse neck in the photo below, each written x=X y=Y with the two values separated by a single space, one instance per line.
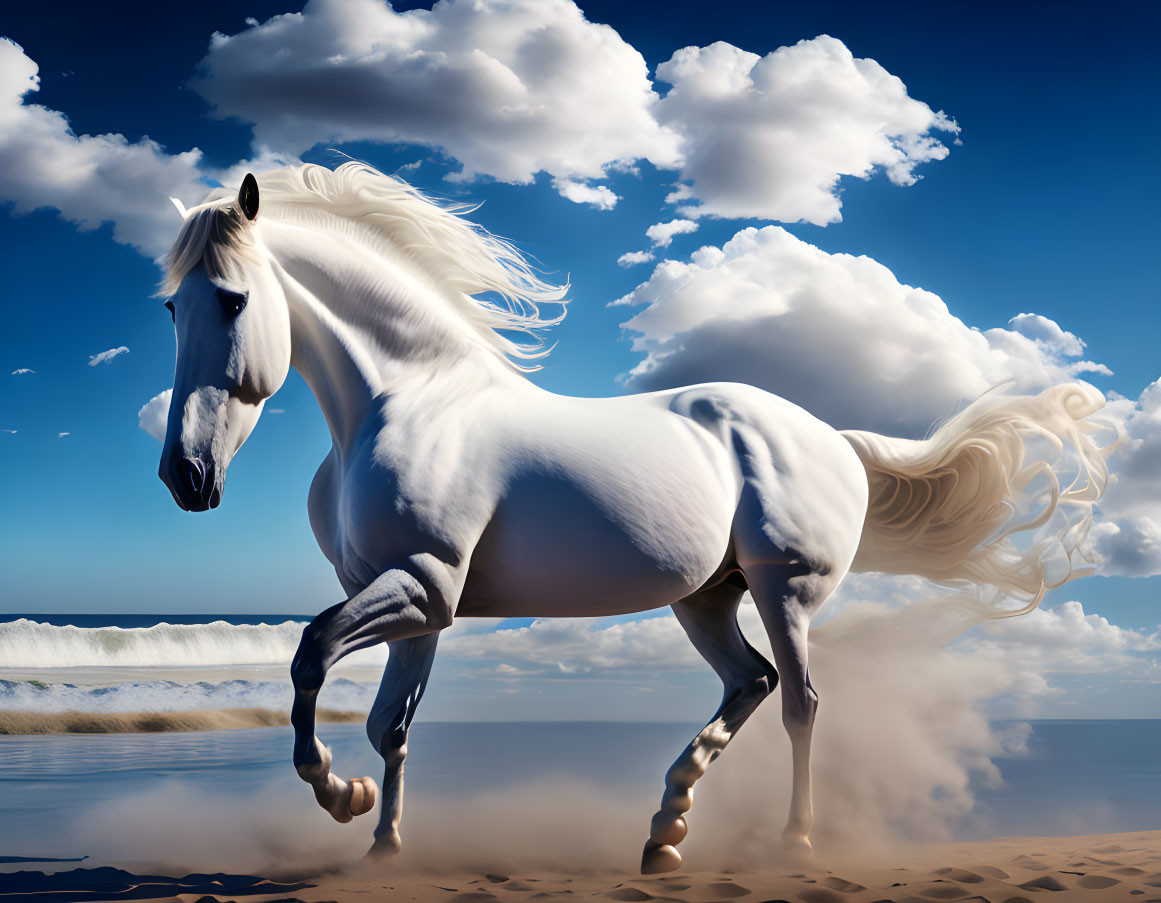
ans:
x=364 y=330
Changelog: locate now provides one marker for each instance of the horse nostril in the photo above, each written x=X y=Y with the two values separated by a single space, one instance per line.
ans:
x=193 y=473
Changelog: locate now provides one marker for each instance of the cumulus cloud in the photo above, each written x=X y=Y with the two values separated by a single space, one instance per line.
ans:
x=770 y=136
x=632 y=258
x=1047 y=662
x=599 y=196
x=104 y=357
x=578 y=646
x=90 y=179
x=1128 y=539
x=1063 y=660
x=154 y=415
x=21 y=371
x=661 y=234
x=837 y=334
x=509 y=88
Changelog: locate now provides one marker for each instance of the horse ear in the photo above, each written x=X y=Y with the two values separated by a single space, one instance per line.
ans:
x=248 y=196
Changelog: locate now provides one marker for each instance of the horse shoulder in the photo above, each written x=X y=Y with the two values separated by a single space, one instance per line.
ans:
x=322 y=507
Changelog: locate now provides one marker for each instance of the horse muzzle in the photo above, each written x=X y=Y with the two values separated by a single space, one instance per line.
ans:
x=193 y=483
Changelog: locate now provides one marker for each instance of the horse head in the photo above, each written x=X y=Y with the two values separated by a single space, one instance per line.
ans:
x=233 y=344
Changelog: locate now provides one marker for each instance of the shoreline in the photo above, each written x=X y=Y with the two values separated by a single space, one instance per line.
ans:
x=21 y=723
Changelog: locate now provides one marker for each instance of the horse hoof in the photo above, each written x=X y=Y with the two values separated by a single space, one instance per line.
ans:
x=364 y=792
x=658 y=858
x=668 y=828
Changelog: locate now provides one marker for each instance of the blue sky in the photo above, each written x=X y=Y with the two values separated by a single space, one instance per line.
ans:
x=1045 y=203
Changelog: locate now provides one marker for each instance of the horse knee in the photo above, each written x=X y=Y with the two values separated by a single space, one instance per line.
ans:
x=306 y=668
x=389 y=736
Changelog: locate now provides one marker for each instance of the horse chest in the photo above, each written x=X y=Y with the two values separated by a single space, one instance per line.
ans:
x=366 y=519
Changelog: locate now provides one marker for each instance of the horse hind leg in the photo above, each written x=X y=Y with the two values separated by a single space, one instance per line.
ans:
x=710 y=621
x=787 y=595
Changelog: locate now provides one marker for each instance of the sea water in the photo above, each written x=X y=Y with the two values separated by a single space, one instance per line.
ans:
x=111 y=796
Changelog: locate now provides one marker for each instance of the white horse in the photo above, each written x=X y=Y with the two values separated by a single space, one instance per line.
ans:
x=456 y=487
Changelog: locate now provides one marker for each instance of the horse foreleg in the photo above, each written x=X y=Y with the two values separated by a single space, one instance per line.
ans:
x=398 y=605
x=403 y=684
x=710 y=621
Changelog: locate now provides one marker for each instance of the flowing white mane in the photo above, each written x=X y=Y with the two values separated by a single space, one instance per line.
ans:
x=462 y=260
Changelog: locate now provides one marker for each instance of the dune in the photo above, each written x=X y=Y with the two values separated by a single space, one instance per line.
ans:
x=154 y=722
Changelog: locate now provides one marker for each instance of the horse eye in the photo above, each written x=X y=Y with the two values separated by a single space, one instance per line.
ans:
x=232 y=302
x=172 y=312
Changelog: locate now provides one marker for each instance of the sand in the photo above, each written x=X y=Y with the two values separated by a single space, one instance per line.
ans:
x=1107 y=867
x=154 y=722
x=1110 y=867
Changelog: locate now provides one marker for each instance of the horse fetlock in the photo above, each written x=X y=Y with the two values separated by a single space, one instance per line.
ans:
x=334 y=795
x=797 y=843
x=658 y=858
x=677 y=799
x=316 y=772
x=387 y=843
x=346 y=799
x=687 y=770
x=667 y=828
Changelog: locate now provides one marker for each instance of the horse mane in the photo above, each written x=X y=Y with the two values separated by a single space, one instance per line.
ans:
x=462 y=260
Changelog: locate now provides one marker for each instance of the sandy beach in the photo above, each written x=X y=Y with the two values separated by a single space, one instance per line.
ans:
x=1009 y=870
x=1104 y=867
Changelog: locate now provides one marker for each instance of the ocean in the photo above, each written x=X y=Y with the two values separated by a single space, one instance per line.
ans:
x=227 y=799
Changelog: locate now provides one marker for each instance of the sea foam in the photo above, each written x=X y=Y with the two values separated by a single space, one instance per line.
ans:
x=174 y=696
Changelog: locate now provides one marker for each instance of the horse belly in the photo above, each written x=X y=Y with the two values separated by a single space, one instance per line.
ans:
x=557 y=548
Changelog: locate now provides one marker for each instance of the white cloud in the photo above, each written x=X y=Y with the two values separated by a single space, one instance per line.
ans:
x=154 y=415
x=90 y=179
x=577 y=646
x=104 y=357
x=1047 y=333
x=632 y=258
x=599 y=196
x=837 y=334
x=9 y=432
x=1067 y=638
x=1129 y=538
x=21 y=371
x=661 y=234
x=509 y=88
x=1052 y=661
x=770 y=136
x=1064 y=662
x=62 y=435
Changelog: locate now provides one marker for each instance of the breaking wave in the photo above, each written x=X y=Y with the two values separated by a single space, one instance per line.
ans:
x=31 y=644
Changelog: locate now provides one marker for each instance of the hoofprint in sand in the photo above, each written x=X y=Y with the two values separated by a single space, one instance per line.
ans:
x=1104 y=867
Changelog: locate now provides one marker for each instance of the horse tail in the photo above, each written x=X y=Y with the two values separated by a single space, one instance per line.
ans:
x=1001 y=495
